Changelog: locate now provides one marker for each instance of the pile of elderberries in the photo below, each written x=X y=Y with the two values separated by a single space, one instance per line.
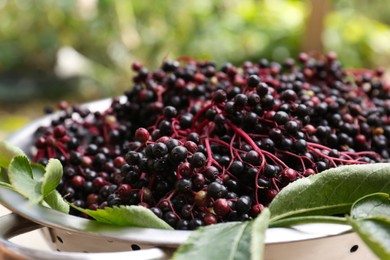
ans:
x=199 y=145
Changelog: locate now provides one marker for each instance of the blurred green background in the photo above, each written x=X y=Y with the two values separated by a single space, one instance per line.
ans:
x=79 y=50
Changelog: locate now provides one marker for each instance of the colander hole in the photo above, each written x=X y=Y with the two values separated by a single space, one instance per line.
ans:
x=60 y=239
x=135 y=247
x=354 y=249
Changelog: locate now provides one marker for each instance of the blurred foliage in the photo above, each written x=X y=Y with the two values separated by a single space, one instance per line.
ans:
x=359 y=31
x=110 y=35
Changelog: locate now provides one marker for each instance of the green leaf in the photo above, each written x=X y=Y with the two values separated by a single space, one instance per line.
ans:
x=6 y=185
x=370 y=218
x=260 y=226
x=21 y=178
x=375 y=232
x=7 y=152
x=57 y=202
x=300 y=220
x=132 y=216
x=229 y=240
x=332 y=191
x=373 y=205
x=244 y=247
x=3 y=176
x=234 y=240
x=52 y=176
x=38 y=171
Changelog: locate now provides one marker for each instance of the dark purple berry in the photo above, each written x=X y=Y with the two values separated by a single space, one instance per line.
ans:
x=198 y=160
x=216 y=190
x=243 y=204
x=253 y=81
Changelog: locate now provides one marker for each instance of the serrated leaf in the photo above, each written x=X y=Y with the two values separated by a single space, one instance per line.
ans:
x=227 y=239
x=21 y=178
x=52 y=177
x=131 y=216
x=332 y=191
x=233 y=240
x=260 y=225
x=57 y=202
x=38 y=171
x=7 y=152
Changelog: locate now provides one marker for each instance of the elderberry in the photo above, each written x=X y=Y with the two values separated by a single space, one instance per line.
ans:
x=200 y=145
x=198 y=160
x=216 y=190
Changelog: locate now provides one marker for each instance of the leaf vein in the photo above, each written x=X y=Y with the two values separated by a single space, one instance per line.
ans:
x=236 y=242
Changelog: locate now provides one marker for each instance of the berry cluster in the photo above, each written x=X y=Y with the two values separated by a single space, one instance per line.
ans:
x=198 y=145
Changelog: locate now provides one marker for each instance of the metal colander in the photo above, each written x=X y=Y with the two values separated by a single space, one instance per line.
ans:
x=73 y=237
x=77 y=238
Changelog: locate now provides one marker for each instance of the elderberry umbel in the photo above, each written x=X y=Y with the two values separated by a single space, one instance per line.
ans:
x=200 y=145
